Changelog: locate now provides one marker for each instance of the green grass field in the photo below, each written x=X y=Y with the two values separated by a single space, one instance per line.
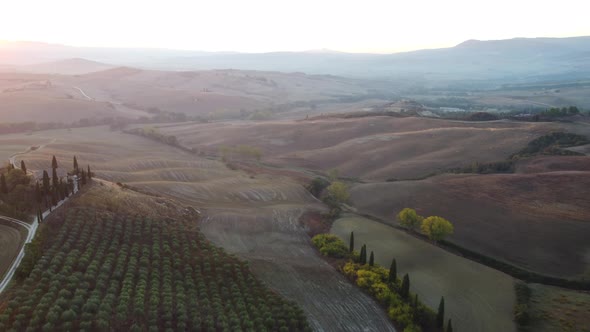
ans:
x=556 y=309
x=477 y=298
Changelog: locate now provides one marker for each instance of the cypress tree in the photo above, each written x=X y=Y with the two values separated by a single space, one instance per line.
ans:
x=54 y=163
x=83 y=177
x=351 y=246
x=440 y=315
x=39 y=216
x=66 y=189
x=75 y=165
x=415 y=301
x=23 y=167
x=363 y=256
x=405 y=289
x=45 y=182
x=392 y=272
x=371 y=259
x=449 y=326
x=89 y=173
x=54 y=196
x=54 y=178
x=60 y=190
x=38 y=195
x=3 y=187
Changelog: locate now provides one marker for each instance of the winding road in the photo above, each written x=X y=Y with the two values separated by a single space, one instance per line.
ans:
x=31 y=228
x=82 y=92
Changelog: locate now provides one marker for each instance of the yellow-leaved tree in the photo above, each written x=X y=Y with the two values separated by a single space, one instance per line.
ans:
x=338 y=191
x=409 y=218
x=437 y=228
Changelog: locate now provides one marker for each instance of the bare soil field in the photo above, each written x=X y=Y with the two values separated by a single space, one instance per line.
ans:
x=256 y=217
x=42 y=98
x=543 y=164
x=477 y=298
x=536 y=221
x=372 y=148
x=216 y=93
x=11 y=240
x=131 y=93
x=12 y=145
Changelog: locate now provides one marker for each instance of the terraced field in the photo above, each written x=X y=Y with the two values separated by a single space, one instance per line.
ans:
x=477 y=298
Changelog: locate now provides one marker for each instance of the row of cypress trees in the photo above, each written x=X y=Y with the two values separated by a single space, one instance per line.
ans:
x=55 y=187
x=404 y=289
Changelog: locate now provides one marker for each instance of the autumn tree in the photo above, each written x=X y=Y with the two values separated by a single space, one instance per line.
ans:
x=333 y=174
x=437 y=228
x=338 y=191
x=409 y=219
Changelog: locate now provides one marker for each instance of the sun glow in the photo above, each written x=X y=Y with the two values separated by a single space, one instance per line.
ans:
x=261 y=25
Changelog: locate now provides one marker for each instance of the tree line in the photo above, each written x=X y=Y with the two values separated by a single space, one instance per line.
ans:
x=22 y=196
x=392 y=292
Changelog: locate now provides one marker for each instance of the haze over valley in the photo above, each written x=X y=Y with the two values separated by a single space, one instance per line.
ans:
x=310 y=179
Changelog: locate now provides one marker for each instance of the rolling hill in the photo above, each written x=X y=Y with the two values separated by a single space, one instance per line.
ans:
x=512 y=60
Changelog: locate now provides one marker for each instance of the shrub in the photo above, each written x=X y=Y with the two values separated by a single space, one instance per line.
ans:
x=330 y=245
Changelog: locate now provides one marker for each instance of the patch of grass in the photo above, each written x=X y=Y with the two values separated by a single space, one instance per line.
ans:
x=555 y=309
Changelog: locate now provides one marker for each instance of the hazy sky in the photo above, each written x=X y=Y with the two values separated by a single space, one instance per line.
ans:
x=279 y=25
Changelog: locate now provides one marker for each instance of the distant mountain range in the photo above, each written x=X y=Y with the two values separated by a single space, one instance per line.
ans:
x=513 y=60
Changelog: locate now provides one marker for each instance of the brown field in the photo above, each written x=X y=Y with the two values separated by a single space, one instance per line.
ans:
x=129 y=92
x=535 y=218
x=477 y=297
x=212 y=94
x=543 y=164
x=253 y=216
x=11 y=146
x=372 y=148
x=537 y=221
x=11 y=240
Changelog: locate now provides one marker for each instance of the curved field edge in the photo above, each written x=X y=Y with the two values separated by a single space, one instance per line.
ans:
x=533 y=221
x=12 y=239
x=228 y=198
x=477 y=298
